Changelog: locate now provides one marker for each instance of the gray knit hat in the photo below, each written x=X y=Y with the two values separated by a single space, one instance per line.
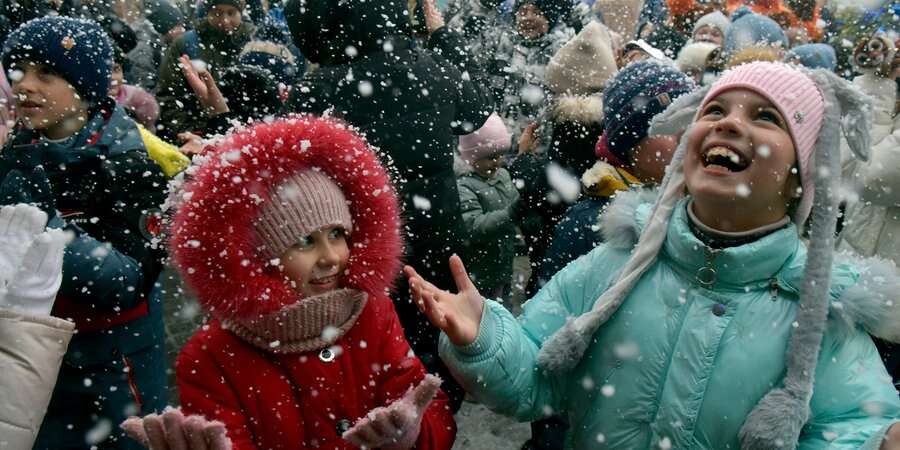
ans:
x=778 y=418
x=303 y=203
x=714 y=19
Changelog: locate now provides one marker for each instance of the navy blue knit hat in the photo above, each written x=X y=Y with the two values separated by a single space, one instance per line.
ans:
x=638 y=92
x=76 y=49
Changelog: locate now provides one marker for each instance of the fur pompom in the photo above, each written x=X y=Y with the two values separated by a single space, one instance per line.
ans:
x=563 y=351
x=775 y=422
x=871 y=302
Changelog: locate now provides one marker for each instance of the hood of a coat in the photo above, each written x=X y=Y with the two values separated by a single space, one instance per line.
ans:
x=213 y=238
x=863 y=290
x=331 y=32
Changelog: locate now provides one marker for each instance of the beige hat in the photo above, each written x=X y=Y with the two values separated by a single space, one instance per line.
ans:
x=584 y=64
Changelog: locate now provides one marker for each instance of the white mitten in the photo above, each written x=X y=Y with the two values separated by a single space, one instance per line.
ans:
x=19 y=225
x=174 y=431
x=396 y=426
x=39 y=277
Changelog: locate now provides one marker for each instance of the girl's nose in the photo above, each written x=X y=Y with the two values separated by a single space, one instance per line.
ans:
x=730 y=124
x=328 y=256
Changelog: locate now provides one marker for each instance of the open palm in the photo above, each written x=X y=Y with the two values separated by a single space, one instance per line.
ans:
x=457 y=315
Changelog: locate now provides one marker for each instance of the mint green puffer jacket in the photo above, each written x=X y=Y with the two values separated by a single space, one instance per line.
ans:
x=681 y=366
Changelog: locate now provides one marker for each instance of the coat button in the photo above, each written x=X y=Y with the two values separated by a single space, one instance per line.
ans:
x=342 y=426
x=719 y=309
x=326 y=355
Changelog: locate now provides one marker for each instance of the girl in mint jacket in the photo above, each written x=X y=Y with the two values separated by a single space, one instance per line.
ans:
x=705 y=321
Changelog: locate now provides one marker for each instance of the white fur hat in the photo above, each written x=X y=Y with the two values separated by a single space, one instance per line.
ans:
x=694 y=56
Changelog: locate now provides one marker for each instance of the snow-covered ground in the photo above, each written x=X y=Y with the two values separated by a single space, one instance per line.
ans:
x=480 y=429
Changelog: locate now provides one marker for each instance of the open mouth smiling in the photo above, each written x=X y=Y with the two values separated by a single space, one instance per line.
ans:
x=723 y=157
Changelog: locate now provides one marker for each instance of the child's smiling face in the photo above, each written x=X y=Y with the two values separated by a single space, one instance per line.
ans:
x=316 y=263
x=740 y=162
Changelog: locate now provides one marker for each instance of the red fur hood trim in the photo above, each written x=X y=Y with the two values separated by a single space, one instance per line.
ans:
x=213 y=238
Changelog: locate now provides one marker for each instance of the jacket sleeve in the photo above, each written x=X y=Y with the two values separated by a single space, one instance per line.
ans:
x=405 y=371
x=473 y=98
x=478 y=221
x=31 y=351
x=500 y=367
x=854 y=401
x=204 y=390
x=118 y=275
x=877 y=180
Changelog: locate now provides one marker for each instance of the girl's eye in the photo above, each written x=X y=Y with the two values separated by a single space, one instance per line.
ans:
x=713 y=110
x=304 y=242
x=769 y=116
x=337 y=233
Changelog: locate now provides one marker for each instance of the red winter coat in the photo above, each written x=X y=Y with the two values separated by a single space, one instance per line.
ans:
x=292 y=401
x=299 y=401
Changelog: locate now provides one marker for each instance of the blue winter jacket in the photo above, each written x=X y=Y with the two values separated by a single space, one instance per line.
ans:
x=682 y=366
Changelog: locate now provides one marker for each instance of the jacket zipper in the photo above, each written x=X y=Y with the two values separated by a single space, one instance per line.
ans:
x=706 y=276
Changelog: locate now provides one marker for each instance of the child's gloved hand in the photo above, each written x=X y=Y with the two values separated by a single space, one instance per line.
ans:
x=396 y=426
x=174 y=431
x=19 y=225
x=39 y=275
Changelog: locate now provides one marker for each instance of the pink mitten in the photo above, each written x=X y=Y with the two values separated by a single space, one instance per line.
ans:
x=173 y=431
x=396 y=426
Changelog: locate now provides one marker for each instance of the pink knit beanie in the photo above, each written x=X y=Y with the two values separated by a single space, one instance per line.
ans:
x=799 y=101
x=489 y=140
x=303 y=203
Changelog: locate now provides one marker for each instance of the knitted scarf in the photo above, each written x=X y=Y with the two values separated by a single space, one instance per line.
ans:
x=311 y=324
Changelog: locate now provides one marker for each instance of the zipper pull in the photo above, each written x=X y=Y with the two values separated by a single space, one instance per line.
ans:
x=773 y=289
x=706 y=276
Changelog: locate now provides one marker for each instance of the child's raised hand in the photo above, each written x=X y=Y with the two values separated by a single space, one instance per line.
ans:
x=396 y=426
x=457 y=315
x=204 y=86
x=174 y=431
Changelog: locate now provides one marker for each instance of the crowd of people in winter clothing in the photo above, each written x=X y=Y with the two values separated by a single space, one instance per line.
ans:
x=707 y=194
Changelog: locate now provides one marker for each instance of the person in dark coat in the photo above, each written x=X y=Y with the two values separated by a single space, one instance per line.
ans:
x=217 y=41
x=78 y=155
x=409 y=102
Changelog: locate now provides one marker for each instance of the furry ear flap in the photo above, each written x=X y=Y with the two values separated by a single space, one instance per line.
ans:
x=679 y=115
x=855 y=110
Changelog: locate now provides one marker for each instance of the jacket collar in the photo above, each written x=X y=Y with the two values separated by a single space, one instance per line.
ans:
x=863 y=290
x=108 y=131
x=752 y=265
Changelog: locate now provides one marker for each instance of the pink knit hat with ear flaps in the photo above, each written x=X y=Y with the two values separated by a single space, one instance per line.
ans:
x=491 y=139
x=800 y=103
x=303 y=203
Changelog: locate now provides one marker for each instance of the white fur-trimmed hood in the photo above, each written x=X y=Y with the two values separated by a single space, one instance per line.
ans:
x=870 y=301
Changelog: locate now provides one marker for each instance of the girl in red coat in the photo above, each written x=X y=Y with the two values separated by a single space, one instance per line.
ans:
x=290 y=236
